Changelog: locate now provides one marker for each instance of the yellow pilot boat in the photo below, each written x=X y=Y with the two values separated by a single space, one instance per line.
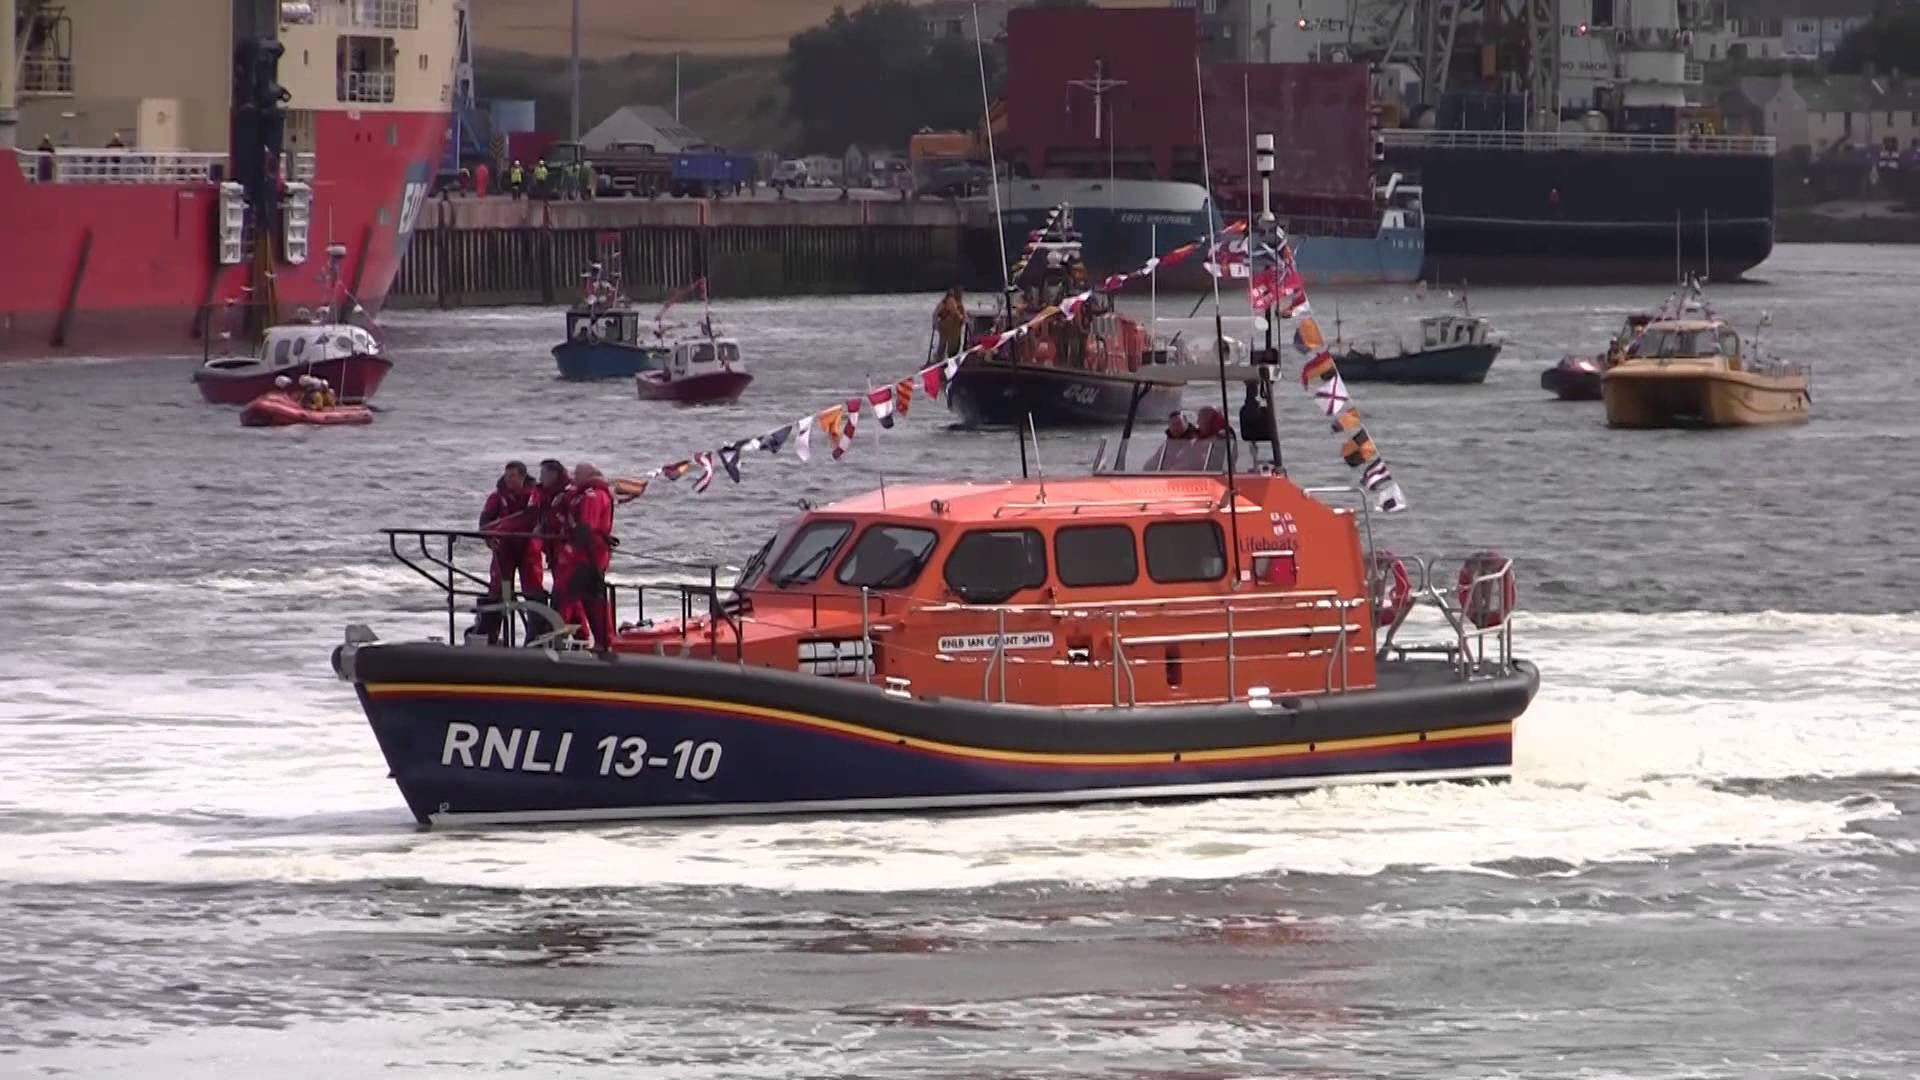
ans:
x=1693 y=373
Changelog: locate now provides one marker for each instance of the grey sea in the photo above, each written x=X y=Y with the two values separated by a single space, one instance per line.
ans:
x=1707 y=864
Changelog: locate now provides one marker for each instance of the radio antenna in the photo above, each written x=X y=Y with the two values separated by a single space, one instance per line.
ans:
x=1219 y=331
x=993 y=166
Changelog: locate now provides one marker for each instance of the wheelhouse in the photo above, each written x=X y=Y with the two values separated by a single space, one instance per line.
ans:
x=1446 y=331
x=1686 y=340
x=618 y=326
x=697 y=355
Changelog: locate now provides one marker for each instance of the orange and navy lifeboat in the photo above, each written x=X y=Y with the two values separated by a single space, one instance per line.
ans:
x=1170 y=631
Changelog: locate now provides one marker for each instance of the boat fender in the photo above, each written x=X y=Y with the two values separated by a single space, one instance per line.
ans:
x=1392 y=588
x=1491 y=601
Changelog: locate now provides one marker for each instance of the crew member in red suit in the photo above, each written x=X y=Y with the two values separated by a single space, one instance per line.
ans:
x=552 y=525
x=510 y=514
x=588 y=551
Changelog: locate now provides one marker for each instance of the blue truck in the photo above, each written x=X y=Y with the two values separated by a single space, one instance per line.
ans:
x=709 y=171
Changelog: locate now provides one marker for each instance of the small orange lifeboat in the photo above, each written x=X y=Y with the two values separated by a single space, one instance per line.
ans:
x=1198 y=625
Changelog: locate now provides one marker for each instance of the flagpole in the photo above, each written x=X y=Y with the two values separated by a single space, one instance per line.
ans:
x=1219 y=331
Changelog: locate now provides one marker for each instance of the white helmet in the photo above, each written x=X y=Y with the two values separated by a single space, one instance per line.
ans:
x=282 y=382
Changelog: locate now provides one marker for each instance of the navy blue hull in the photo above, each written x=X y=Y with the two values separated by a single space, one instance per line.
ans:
x=587 y=360
x=1005 y=395
x=1121 y=240
x=494 y=736
x=1458 y=364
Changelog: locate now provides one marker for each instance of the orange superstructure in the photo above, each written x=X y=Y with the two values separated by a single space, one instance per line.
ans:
x=1054 y=581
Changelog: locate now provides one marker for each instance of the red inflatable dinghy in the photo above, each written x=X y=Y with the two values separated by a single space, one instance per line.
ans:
x=279 y=410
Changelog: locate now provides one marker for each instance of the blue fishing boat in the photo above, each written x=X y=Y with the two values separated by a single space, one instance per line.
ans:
x=606 y=344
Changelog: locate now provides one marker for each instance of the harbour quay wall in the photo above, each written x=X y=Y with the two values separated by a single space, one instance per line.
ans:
x=477 y=252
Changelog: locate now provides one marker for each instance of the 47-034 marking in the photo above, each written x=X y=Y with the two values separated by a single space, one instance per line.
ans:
x=626 y=757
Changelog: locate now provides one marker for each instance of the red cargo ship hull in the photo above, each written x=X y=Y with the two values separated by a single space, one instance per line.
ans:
x=127 y=269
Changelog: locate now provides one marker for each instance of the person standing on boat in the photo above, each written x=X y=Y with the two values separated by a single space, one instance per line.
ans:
x=510 y=518
x=950 y=321
x=586 y=553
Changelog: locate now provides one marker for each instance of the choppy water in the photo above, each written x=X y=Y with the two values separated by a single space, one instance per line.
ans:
x=1707 y=866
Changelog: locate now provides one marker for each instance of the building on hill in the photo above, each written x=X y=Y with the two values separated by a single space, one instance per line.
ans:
x=649 y=124
x=1823 y=115
x=1774 y=29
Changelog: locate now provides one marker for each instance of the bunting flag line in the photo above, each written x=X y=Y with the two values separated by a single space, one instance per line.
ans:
x=1274 y=286
x=1281 y=290
x=882 y=402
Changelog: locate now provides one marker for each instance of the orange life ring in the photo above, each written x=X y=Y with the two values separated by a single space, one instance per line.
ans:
x=1483 y=604
x=1392 y=588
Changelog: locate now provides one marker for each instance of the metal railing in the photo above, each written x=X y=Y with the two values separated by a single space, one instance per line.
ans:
x=98 y=166
x=45 y=76
x=1468 y=650
x=374 y=87
x=1609 y=142
x=1240 y=633
x=102 y=166
x=368 y=14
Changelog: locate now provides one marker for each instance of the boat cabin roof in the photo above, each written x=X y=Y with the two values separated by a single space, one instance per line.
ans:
x=1452 y=329
x=317 y=341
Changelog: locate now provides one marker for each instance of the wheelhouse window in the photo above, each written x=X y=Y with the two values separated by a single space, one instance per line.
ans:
x=1092 y=555
x=1182 y=551
x=887 y=557
x=704 y=353
x=810 y=554
x=989 y=565
x=756 y=567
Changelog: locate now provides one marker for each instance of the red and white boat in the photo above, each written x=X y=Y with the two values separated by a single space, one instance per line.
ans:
x=276 y=408
x=347 y=357
x=173 y=152
x=701 y=371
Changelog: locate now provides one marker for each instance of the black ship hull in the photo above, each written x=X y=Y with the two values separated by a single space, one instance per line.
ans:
x=1005 y=395
x=1559 y=216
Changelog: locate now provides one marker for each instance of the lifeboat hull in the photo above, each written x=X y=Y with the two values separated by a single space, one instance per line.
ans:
x=239 y=380
x=1005 y=395
x=479 y=735
x=703 y=388
x=277 y=410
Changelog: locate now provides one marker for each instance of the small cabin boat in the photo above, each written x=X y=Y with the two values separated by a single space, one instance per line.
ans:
x=346 y=356
x=603 y=330
x=699 y=371
x=1694 y=373
x=1178 y=629
x=607 y=343
x=1453 y=349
